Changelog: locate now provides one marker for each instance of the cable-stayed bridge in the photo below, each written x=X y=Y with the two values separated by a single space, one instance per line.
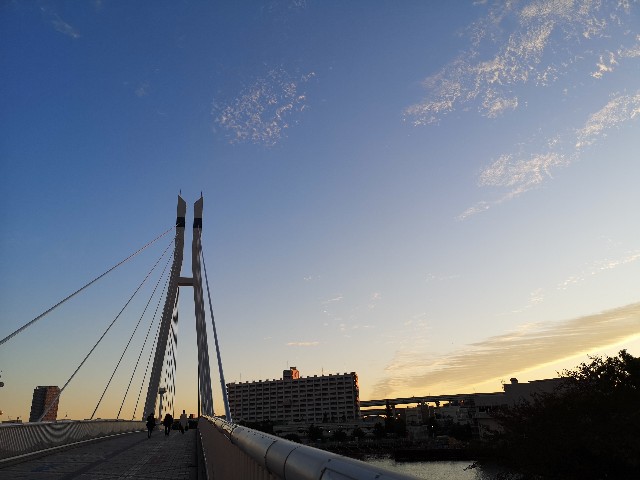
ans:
x=119 y=447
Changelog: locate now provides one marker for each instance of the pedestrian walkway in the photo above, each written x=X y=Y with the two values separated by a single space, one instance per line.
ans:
x=130 y=455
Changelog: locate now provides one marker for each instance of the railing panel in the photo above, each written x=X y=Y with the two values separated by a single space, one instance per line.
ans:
x=234 y=452
x=223 y=459
x=21 y=439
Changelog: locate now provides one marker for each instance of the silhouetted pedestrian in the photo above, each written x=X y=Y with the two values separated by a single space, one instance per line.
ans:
x=151 y=424
x=167 y=422
x=183 y=422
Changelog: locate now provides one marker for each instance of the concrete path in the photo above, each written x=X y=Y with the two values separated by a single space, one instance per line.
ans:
x=131 y=455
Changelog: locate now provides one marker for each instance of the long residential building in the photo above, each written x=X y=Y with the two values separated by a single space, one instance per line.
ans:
x=325 y=398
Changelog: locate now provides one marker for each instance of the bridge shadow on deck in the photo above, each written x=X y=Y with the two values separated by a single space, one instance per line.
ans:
x=130 y=455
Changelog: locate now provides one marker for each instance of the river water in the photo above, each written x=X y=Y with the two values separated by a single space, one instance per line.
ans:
x=440 y=470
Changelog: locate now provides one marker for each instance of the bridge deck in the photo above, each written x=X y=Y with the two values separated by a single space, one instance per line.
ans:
x=126 y=456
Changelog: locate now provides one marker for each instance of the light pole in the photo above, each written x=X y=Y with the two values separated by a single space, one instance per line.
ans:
x=161 y=392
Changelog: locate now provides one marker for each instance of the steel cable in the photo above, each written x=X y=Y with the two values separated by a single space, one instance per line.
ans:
x=146 y=370
x=144 y=344
x=25 y=326
x=215 y=339
x=96 y=344
x=134 y=330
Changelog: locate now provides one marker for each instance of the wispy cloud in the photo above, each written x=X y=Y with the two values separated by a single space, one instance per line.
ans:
x=264 y=111
x=606 y=64
x=514 y=174
x=337 y=298
x=373 y=301
x=302 y=344
x=528 y=347
x=535 y=298
x=281 y=6
x=346 y=314
x=345 y=327
x=618 y=111
x=419 y=320
x=63 y=27
x=533 y=44
x=509 y=46
x=143 y=89
x=432 y=277
x=599 y=267
x=51 y=17
x=510 y=171
x=632 y=51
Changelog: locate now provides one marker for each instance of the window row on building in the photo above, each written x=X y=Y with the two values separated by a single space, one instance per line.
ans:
x=294 y=398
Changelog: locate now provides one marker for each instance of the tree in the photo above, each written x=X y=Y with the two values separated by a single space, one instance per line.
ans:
x=589 y=428
x=460 y=432
x=265 y=426
x=388 y=418
x=400 y=427
x=339 y=435
x=357 y=433
x=294 y=437
x=432 y=426
x=315 y=433
x=379 y=430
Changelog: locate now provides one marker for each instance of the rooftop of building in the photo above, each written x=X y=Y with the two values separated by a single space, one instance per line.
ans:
x=294 y=374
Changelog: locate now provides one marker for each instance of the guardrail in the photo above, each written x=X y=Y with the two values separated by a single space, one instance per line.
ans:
x=231 y=451
x=18 y=439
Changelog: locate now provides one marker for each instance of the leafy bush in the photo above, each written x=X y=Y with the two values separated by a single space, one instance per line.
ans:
x=588 y=429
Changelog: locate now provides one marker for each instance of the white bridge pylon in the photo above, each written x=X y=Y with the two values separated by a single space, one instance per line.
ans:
x=164 y=363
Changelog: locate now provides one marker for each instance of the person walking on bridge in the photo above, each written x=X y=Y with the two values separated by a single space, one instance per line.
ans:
x=151 y=424
x=183 y=422
x=167 y=422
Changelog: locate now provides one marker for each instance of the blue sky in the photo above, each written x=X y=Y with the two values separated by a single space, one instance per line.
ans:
x=438 y=196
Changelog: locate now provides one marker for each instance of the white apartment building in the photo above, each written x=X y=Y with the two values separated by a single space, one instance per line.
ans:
x=317 y=399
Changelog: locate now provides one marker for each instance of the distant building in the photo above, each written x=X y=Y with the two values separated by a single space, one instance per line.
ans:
x=42 y=398
x=516 y=392
x=317 y=399
x=473 y=409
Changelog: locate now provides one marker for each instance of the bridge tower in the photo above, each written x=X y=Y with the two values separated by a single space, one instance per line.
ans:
x=164 y=363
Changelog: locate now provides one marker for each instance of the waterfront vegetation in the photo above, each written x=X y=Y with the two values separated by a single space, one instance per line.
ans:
x=588 y=429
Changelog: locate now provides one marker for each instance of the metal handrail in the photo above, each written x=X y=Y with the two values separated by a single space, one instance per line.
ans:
x=284 y=459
